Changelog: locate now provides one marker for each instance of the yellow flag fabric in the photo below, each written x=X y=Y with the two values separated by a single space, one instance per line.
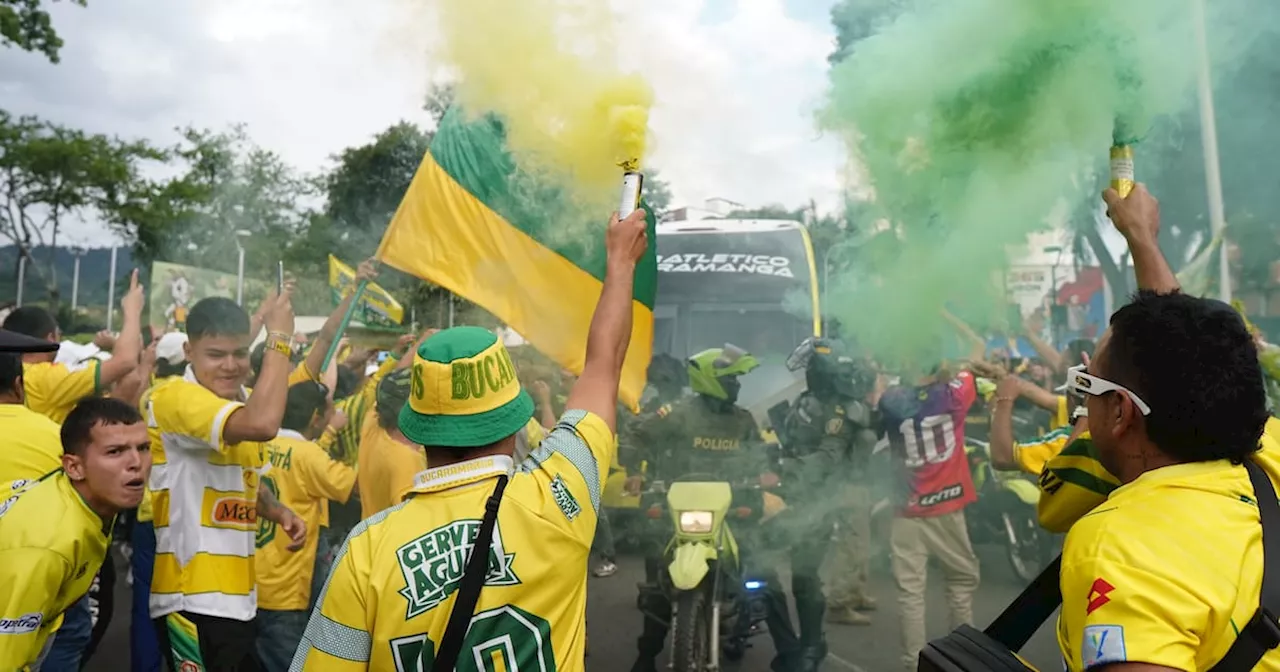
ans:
x=472 y=224
x=377 y=306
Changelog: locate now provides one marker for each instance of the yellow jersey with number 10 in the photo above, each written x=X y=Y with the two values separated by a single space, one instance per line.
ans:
x=395 y=580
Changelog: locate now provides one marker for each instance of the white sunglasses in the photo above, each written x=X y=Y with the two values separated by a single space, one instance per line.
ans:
x=1081 y=383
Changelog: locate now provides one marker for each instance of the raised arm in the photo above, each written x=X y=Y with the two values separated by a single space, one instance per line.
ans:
x=259 y=419
x=597 y=388
x=128 y=346
x=315 y=357
x=1137 y=218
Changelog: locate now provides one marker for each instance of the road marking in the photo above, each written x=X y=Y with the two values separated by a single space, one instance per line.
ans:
x=845 y=663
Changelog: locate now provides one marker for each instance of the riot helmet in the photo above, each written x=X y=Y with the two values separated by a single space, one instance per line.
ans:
x=830 y=371
x=714 y=373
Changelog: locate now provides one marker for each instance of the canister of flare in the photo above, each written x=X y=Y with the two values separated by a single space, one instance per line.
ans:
x=1122 y=173
x=632 y=183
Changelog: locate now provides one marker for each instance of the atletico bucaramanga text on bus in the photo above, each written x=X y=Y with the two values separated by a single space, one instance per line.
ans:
x=760 y=264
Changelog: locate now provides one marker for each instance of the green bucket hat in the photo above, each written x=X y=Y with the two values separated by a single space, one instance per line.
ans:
x=464 y=391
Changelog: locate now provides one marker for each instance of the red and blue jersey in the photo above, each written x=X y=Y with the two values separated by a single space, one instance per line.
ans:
x=925 y=428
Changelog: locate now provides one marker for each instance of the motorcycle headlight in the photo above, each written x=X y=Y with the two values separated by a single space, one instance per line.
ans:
x=696 y=522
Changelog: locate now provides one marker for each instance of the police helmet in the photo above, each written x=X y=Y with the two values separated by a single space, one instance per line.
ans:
x=714 y=372
x=830 y=370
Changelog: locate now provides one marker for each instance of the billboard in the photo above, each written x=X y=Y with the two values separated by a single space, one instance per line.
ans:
x=1081 y=293
x=176 y=288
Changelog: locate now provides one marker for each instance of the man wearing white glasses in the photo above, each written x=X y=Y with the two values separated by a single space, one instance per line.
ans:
x=1167 y=573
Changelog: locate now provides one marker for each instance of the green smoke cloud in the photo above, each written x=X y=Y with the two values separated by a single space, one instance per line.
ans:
x=974 y=120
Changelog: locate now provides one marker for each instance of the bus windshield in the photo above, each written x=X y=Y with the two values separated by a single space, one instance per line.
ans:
x=746 y=283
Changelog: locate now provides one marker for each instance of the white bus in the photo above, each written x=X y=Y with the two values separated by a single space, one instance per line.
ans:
x=752 y=283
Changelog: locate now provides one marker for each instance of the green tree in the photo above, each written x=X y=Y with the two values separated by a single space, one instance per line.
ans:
x=657 y=193
x=366 y=186
x=52 y=174
x=228 y=190
x=26 y=25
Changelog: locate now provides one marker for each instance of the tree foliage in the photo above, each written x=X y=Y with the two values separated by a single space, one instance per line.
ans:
x=51 y=174
x=26 y=25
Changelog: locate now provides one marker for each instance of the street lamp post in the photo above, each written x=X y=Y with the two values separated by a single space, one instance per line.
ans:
x=1053 y=290
x=1209 y=138
x=241 y=236
x=76 y=252
x=111 y=289
x=22 y=275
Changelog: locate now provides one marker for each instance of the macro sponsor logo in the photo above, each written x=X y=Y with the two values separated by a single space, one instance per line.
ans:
x=433 y=564
x=236 y=512
x=22 y=624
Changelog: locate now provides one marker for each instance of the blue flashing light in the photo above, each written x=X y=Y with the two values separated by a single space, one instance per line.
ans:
x=755 y=585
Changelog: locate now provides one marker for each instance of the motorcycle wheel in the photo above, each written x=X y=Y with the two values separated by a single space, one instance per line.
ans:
x=689 y=642
x=1022 y=548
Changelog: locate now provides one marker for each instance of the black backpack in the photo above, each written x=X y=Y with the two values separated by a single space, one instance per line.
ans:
x=968 y=649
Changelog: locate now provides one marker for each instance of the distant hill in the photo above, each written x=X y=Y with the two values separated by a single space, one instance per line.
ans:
x=95 y=267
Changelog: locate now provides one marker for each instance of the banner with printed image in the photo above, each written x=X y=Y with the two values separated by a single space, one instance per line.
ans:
x=175 y=288
x=377 y=307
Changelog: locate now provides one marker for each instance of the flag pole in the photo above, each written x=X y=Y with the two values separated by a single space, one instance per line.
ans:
x=342 y=328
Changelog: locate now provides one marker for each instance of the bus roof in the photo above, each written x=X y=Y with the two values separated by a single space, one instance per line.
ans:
x=729 y=226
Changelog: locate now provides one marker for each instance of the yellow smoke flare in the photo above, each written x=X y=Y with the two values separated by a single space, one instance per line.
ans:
x=550 y=69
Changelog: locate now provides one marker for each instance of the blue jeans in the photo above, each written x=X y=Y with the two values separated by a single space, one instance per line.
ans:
x=144 y=649
x=278 y=635
x=70 y=641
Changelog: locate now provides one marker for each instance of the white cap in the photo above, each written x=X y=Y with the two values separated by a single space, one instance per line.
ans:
x=169 y=347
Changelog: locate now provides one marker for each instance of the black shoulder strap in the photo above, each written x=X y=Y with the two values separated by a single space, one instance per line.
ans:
x=1262 y=633
x=1029 y=610
x=464 y=607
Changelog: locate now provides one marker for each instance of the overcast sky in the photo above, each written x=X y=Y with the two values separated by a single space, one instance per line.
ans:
x=736 y=83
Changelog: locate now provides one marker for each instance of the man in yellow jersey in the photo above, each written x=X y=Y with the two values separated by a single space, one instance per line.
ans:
x=1028 y=456
x=395 y=580
x=53 y=389
x=144 y=650
x=55 y=531
x=1176 y=402
x=304 y=478
x=388 y=460
x=31 y=444
x=206 y=439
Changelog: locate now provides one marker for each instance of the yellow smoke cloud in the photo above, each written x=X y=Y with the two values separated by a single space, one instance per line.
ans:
x=550 y=69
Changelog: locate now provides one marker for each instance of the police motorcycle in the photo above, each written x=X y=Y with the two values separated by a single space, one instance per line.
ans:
x=716 y=607
x=1005 y=513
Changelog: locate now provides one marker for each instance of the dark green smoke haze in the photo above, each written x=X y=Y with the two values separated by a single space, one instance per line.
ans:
x=975 y=119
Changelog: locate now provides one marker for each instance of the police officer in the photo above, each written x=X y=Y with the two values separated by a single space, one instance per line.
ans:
x=704 y=433
x=827 y=443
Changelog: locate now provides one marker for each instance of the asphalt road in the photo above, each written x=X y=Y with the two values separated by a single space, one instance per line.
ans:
x=613 y=624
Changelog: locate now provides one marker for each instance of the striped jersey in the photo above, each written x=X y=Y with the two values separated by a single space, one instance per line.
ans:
x=204 y=496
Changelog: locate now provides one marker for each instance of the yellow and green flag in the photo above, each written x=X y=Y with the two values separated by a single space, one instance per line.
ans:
x=502 y=239
x=376 y=308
